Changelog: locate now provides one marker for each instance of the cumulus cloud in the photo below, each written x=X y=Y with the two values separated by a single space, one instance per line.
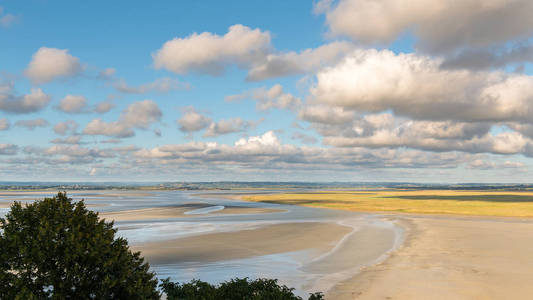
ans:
x=161 y=85
x=192 y=121
x=29 y=103
x=48 y=64
x=4 y=124
x=228 y=126
x=8 y=149
x=479 y=59
x=66 y=127
x=210 y=53
x=103 y=107
x=268 y=152
x=106 y=74
x=415 y=86
x=304 y=138
x=439 y=26
x=141 y=114
x=293 y=63
x=73 y=104
x=483 y=164
x=114 y=129
x=137 y=115
x=71 y=140
x=267 y=99
x=32 y=124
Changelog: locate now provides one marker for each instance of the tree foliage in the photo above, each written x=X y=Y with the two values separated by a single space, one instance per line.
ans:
x=245 y=289
x=57 y=249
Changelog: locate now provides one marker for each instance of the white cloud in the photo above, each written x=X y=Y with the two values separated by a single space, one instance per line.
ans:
x=106 y=74
x=8 y=149
x=268 y=99
x=48 y=64
x=415 y=86
x=228 y=126
x=33 y=102
x=4 y=124
x=73 y=104
x=210 y=53
x=32 y=124
x=104 y=107
x=161 y=85
x=141 y=114
x=292 y=63
x=438 y=26
x=66 y=127
x=71 y=140
x=137 y=115
x=192 y=121
x=115 y=129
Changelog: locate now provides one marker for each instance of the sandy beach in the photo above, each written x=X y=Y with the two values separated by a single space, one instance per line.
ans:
x=446 y=257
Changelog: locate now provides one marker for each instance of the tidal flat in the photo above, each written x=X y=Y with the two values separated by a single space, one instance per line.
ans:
x=214 y=237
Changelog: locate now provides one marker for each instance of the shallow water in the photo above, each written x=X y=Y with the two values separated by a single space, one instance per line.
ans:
x=370 y=239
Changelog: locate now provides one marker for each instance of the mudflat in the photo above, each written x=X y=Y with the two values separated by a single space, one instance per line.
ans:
x=269 y=239
x=179 y=211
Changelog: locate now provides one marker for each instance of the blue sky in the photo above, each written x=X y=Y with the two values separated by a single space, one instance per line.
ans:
x=264 y=90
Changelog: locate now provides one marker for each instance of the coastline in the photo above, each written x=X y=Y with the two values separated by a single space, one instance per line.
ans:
x=450 y=258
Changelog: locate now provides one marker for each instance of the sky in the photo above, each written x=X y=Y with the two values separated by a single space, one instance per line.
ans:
x=345 y=90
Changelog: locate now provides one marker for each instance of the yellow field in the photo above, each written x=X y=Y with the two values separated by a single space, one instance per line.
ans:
x=481 y=203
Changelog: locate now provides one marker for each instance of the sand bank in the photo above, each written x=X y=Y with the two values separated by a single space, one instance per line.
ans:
x=180 y=211
x=451 y=258
x=271 y=239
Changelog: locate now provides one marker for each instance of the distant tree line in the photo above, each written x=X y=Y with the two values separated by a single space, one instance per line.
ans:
x=58 y=249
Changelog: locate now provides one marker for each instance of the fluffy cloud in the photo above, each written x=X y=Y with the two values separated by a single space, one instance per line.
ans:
x=66 y=127
x=416 y=86
x=304 y=138
x=438 y=26
x=192 y=121
x=33 y=102
x=73 y=104
x=228 y=126
x=137 y=115
x=106 y=74
x=48 y=64
x=210 y=53
x=32 y=124
x=71 y=140
x=4 y=124
x=8 y=149
x=268 y=98
x=141 y=114
x=161 y=85
x=114 y=129
x=268 y=152
x=292 y=63
x=479 y=59
x=104 y=107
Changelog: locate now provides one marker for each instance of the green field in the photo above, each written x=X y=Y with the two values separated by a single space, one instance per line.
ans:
x=480 y=203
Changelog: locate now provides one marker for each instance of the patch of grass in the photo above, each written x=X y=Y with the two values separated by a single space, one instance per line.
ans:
x=481 y=203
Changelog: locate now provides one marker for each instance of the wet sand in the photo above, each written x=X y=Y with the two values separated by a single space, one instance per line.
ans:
x=180 y=211
x=446 y=257
x=271 y=239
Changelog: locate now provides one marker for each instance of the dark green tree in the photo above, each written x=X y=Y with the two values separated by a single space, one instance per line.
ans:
x=57 y=249
x=241 y=289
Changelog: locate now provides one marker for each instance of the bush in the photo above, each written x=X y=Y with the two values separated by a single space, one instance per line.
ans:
x=57 y=249
x=259 y=289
